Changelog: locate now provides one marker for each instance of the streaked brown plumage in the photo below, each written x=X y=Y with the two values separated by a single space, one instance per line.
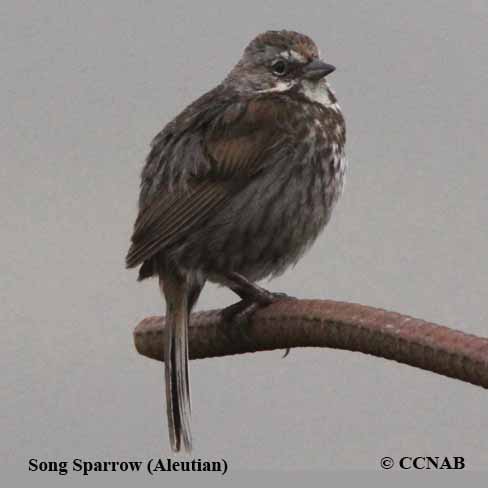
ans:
x=236 y=188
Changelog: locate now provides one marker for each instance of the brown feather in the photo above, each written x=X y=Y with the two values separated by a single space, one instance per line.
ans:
x=238 y=146
x=171 y=217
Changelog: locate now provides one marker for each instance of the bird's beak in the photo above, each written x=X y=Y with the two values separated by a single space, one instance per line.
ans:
x=317 y=69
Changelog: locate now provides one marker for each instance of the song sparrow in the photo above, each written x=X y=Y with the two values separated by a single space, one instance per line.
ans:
x=236 y=188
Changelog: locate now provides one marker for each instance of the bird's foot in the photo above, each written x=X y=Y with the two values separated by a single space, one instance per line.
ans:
x=263 y=296
x=237 y=317
x=252 y=292
x=246 y=307
x=241 y=309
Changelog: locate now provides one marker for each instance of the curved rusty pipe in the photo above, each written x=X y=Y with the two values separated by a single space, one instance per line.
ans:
x=325 y=323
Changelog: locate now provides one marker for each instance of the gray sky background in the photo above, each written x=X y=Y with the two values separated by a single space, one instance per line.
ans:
x=84 y=86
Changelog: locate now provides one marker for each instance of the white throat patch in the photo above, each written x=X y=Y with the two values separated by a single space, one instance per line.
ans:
x=318 y=92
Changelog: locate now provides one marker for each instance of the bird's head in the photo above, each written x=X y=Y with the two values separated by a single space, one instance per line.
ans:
x=278 y=61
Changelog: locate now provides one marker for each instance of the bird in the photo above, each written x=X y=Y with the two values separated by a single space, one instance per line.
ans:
x=235 y=189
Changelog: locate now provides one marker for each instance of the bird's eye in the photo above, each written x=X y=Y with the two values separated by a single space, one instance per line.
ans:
x=279 y=67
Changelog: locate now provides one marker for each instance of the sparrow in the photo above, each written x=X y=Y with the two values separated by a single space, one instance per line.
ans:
x=235 y=189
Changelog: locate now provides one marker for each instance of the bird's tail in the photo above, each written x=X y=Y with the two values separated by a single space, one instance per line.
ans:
x=178 y=406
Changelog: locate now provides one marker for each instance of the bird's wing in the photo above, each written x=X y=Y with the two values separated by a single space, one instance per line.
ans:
x=242 y=141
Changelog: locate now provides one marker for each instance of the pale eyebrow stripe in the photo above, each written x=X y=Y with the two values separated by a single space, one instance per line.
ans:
x=299 y=57
x=293 y=54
